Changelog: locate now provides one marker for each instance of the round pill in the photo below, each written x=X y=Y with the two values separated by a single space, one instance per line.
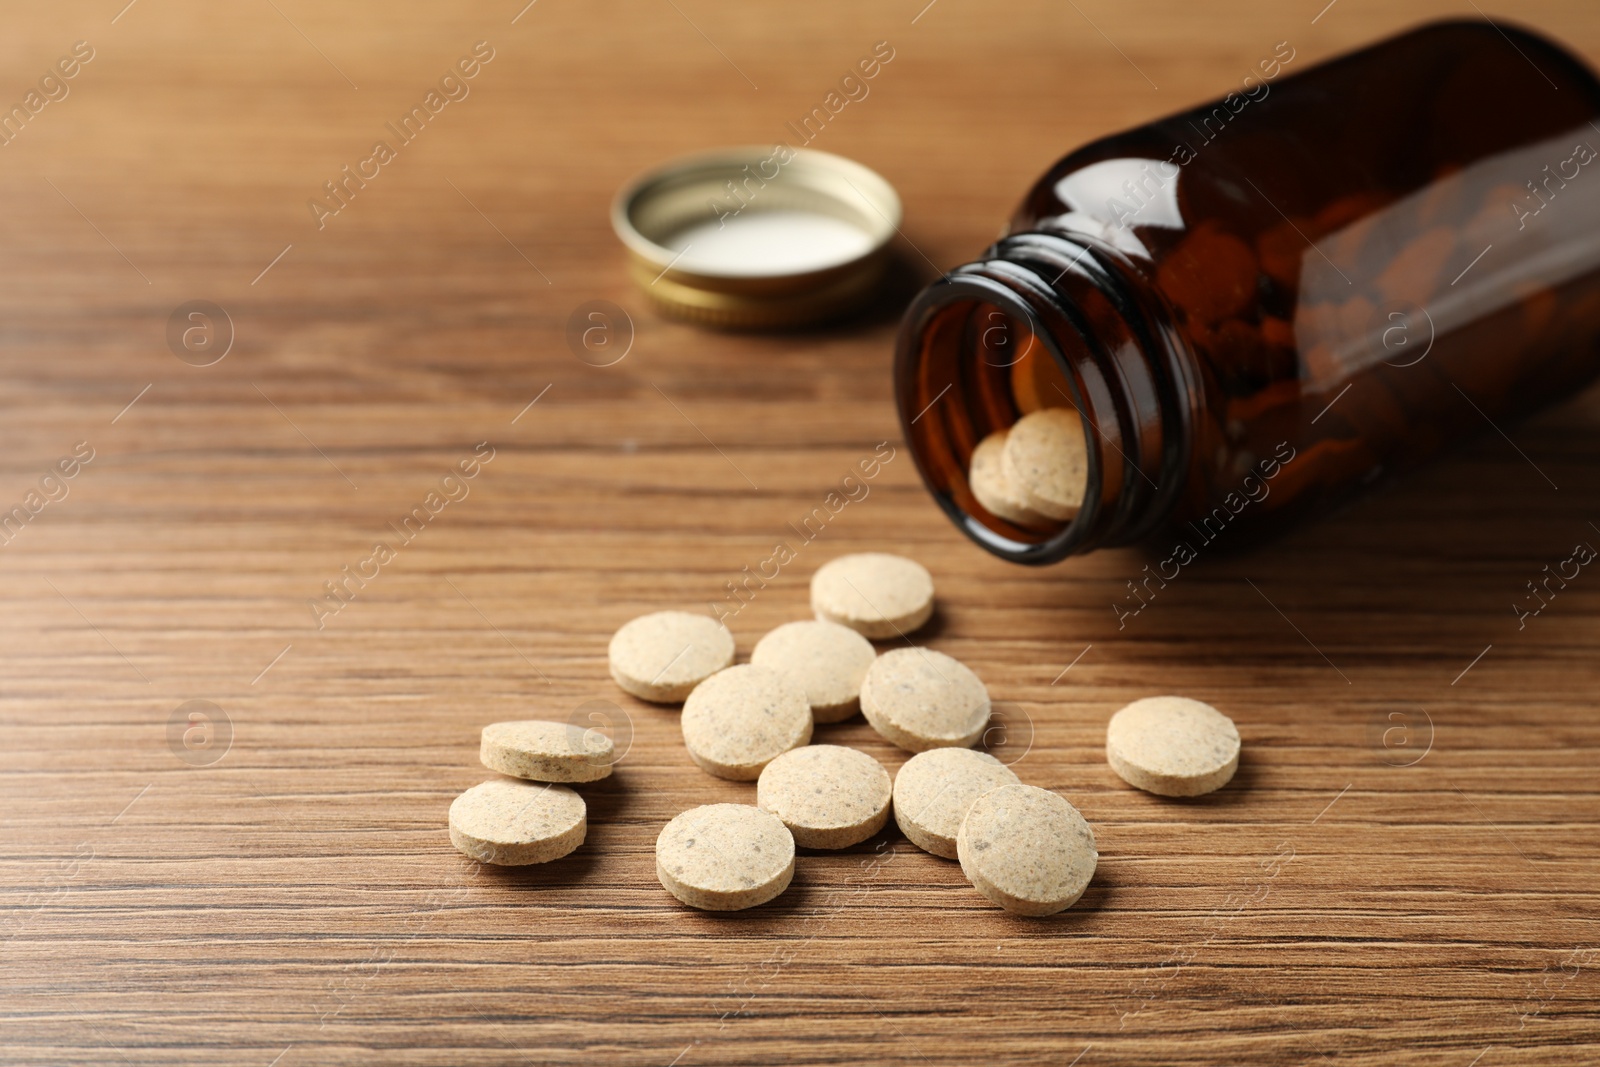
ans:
x=546 y=751
x=825 y=659
x=738 y=720
x=1173 y=746
x=1026 y=849
x=920 y=699
x=725 y=857
x=661 y=657
x=516 y=823
x=827 y=795
x=934 y=789
x=987 y=478
x=1046 y=459
x=875 y=594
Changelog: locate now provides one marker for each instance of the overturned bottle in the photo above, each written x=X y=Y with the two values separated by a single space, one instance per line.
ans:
x=1256 y=308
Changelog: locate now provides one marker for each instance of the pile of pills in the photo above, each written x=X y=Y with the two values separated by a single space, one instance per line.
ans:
x=754 y=721
x=1034 y=473
x=1024 y=848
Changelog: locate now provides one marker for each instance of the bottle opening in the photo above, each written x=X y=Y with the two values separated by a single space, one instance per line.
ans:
x=997 y=426
x=1042 y=399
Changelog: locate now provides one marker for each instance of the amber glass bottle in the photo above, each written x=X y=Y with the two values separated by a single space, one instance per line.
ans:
x=1261 y=305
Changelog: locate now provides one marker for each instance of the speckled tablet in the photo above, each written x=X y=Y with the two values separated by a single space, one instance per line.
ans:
x=920 y=699
x=876 y=594
x=661 y=657
x=933 y=790
x=725 y=857
x=738 y=720
x=1173 y=746
x=546 y=751
x=828 y=796
x=1046 y=459
x=1026 y=849
x=512 y=823
x=825 y=659
x=987 y=479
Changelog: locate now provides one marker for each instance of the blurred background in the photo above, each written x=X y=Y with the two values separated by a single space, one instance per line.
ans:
x=270 y=883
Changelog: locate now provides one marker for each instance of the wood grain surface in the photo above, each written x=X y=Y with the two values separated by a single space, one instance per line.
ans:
x=1403 y=872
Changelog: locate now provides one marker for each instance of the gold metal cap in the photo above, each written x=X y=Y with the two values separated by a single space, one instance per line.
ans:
x=757 y=238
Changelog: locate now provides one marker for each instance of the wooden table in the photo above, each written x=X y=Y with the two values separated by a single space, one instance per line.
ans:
x=1403 y=871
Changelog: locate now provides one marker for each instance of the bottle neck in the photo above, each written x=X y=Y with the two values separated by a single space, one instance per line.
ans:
x=1050 y=320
